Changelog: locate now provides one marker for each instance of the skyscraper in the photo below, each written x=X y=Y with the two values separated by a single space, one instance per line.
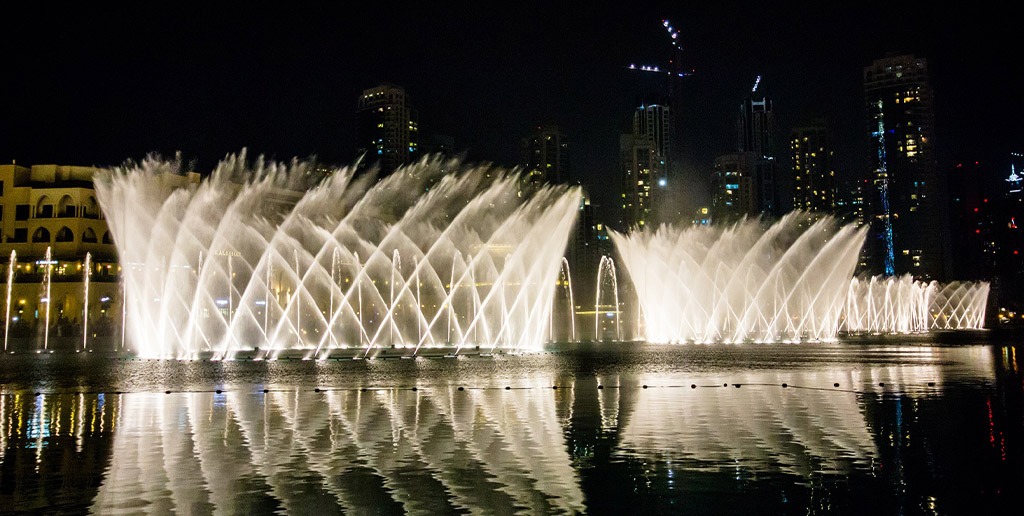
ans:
x=545 y=155
x=909 y=225
x=645 y=162
x=639 y=159
x=814 y=178
x=654 y=122
x=734 y=187
x=757 y=133
x=387 y=130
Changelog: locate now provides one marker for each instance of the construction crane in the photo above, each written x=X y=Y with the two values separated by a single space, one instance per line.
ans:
x=674 y=67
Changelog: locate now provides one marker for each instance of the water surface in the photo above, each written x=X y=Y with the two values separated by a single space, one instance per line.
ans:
x=854 y=428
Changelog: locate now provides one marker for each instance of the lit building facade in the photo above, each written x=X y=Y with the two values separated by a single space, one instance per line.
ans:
x=813 y=175
x=59 y=260
x=387 y=128
x=51 y=223
x=702 y=216
x=654 y=122
x=734 y=187
x=545 y=155
x=639 y=168
x=906 y=209
x=645 y=163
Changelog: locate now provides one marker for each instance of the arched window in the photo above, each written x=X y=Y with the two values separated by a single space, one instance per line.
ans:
x=65 y=235
x=41 y=235
x=66 y=207
x=106 y=238
x=89 y=236
x=91 y=209
x=44 y=210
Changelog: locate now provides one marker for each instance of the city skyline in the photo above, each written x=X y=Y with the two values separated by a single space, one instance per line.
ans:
x=97 y=88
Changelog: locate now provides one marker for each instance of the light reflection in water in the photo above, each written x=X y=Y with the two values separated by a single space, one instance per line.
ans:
x=424 y=451
x=439 y=449
x=760 y=425
x=436 y=449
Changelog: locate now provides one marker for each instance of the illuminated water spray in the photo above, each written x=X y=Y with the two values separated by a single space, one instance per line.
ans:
x=124 y=314
x=10 y=285
x=565 y=281
x=297 y=301
x=86 y=276
x=49 y=301
x=606 y=275
x=780 y=282
x=436 y=254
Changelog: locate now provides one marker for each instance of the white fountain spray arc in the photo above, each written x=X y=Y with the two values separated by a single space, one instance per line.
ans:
x=86 y=276
x=10 y=285
x=785 y=282
x=48 y=289
x=479 y=262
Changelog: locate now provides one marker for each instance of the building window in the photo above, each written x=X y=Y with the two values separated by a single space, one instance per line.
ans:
x=21 y=212
x=1 y=187
x=20 y=236
x=41 y=235
x=65 y=235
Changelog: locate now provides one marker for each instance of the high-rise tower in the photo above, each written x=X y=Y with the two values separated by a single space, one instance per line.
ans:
x=638 y=162
x=814 y=178
x=654 y=122
x=734 y=187
x=645 y=162
x=757 y=133
x=545 y=155
x=387 y=127
x=909 y=225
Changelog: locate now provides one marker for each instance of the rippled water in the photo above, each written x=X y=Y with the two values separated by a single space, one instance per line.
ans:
x=849 y=428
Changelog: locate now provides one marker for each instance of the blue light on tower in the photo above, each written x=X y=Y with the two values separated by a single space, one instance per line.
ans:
x=889 y=259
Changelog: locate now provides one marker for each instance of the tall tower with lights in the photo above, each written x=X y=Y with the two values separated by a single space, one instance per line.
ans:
x=757 y=134
x=909 y=225
x=387 y=128
x=545 y=155
x=645 y=161
x=814 y=178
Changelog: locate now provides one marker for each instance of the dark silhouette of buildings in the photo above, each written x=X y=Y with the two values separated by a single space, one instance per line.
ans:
x=744 y=182
x=757 y=132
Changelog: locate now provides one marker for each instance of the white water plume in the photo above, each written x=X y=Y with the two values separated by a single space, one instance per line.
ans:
x=784 y=282
x=438 y=254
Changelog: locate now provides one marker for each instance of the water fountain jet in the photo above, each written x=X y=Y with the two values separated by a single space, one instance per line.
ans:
x=429 y=214
x=789 y=281
x=10 y=285
x=86 y=276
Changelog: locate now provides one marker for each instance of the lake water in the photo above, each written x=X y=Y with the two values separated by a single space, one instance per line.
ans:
x=847 y=428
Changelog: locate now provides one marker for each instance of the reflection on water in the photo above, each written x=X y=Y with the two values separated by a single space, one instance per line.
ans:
x=934 y=430
x=760 y=426
x=428 y=452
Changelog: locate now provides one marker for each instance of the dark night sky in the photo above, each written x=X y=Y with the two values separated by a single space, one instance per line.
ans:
x=97 y=85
